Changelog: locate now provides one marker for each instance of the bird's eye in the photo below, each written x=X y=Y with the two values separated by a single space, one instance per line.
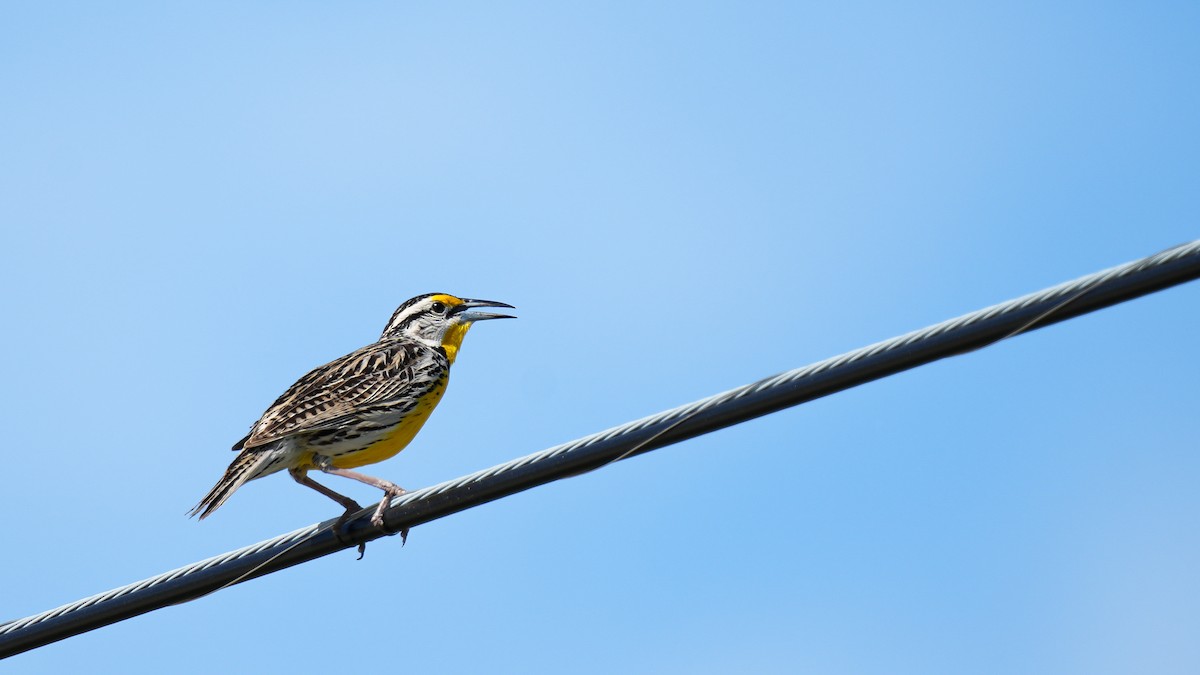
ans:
x=438 y=307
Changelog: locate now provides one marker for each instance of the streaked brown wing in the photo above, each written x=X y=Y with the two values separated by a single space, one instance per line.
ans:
x=337 y=392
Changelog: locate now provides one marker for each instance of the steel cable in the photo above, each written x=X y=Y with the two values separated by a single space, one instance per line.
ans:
x=965 y=333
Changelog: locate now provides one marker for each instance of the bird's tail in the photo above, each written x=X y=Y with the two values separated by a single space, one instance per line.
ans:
x=243 y=468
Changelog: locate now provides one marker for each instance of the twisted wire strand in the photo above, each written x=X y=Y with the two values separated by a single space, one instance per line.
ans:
x=1088 y=293
x=165 y=577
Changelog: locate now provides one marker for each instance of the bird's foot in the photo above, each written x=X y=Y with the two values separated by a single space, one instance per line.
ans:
x=339 y=527
x=352 y=508
x=392 y=491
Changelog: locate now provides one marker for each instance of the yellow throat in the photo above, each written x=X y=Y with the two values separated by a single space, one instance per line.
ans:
x=453 y=338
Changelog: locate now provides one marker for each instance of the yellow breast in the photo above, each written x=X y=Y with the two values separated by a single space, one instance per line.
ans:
x=397 y=438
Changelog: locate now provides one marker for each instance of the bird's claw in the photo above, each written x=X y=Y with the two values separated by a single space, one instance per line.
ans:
x=340 y=530
x=377 y=521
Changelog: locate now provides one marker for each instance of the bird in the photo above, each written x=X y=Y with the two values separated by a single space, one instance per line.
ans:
x=359 y=409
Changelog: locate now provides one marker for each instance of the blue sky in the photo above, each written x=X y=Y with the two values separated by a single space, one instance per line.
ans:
x=202 y=201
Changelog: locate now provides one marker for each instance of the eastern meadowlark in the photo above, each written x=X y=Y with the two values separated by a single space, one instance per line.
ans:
x=359 y=409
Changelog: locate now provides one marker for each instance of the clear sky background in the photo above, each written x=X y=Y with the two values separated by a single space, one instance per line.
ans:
x=202 y=201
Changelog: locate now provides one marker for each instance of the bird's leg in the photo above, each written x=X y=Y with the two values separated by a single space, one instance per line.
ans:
x=351 y=506
x=389 y=488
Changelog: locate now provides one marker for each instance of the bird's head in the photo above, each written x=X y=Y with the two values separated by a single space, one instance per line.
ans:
x=439 y=320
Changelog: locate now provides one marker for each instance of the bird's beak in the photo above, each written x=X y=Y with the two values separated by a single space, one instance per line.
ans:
x=466 y=317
